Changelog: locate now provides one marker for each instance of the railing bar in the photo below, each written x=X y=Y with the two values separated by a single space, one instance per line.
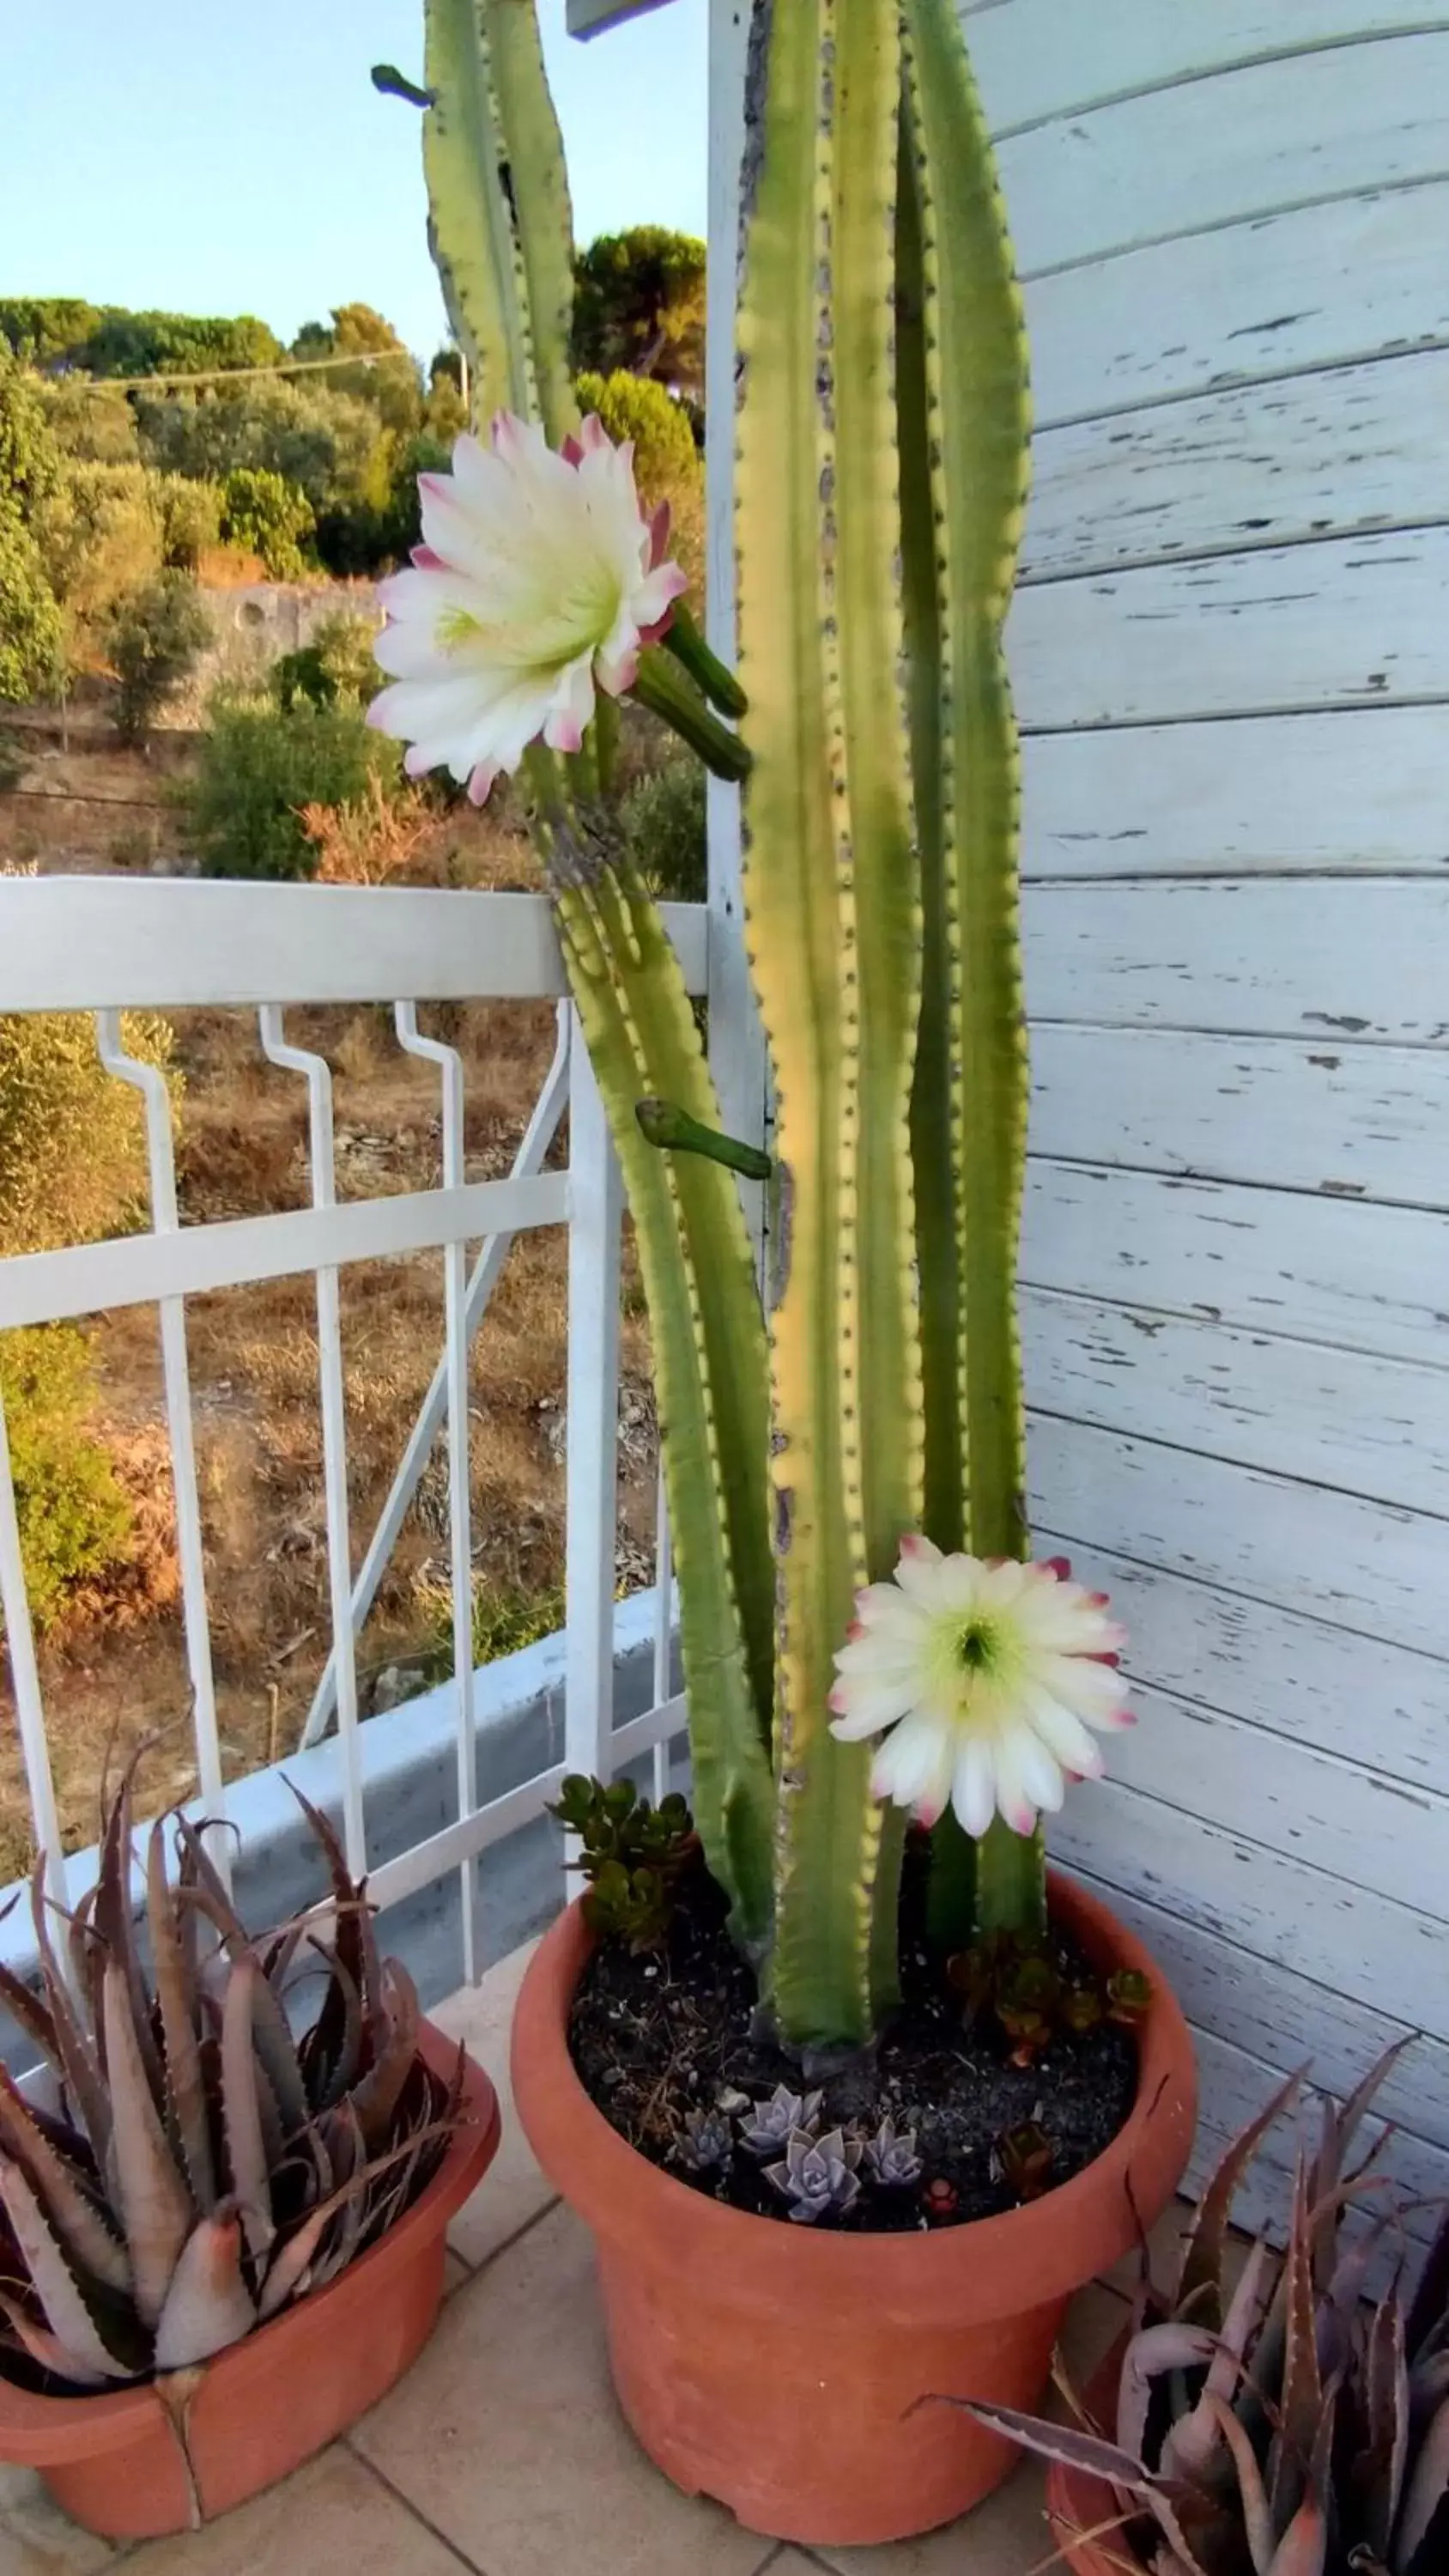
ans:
x=538 y=1136
x=460 y=1517
x=595 y=1214
x=151 y=1083
x=663 y=1622
x=25 y=1677
x=334 y=1425
x=237 y=1252
x=498 y=1817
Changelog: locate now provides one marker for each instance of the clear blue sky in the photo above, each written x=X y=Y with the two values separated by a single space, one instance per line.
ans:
x=231 y=156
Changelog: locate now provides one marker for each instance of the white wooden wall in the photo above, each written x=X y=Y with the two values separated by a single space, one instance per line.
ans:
x=1231 y=653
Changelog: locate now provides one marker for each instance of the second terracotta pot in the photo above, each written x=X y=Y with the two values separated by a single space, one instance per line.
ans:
x=779 y=2369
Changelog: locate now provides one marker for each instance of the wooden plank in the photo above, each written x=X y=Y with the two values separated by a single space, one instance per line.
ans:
x=1269 y=795
x=1352 y=1121
x=1324 y=1687
x=1362 y=1425
x=1368 y=1566
x=1316 y=287
x=1267 y=958
x=1042 y=58
x=1313 y=456
x=1353 y=1823
x=1347 y=1938
x=1332 y=1270
x=93 y=943
x=1283 y=2019
x=1356 y=621
x=1237 y=144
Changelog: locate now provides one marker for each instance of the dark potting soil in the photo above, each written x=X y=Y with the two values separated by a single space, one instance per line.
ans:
x=657 y=2039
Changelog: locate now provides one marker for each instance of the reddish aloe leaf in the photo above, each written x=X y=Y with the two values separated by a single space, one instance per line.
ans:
x=115 y=1929
x=1380 y=2472
x=1427 y=2491
x=1430 y=2306
x=155 y=2205
x=1200 y=2276
x=30 y=2013
x=208 y=2305
x=1257 y=2519
x=204 y=1879
x=1302 y=2386
x=1303 y=2549
x=175 y=1994
x=278 y=2053
x=46 y=2349
x=376 y=2098
x=55 y=2286
x=74 y=2054
x=242 y=2111
x=68 y=2204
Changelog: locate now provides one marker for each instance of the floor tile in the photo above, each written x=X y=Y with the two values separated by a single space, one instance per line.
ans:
x=507 y=2434
x=36 y=2539
x=455 y=2273
x=513 y=2190
x=333 y=2515
x=1008 y=2533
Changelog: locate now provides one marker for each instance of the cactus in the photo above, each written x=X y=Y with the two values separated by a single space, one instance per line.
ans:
x=881 y=478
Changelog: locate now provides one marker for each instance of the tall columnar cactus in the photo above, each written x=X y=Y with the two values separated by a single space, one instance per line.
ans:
x=882 y=447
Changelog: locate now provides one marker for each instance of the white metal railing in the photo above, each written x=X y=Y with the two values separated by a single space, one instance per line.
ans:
x=100 y=945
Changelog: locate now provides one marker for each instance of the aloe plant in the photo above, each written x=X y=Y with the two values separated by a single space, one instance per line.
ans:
x=1278 y=2427
x=882 y=443
x=196 y=2167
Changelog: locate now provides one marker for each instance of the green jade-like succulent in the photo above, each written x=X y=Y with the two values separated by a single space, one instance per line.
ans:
x=881 y=477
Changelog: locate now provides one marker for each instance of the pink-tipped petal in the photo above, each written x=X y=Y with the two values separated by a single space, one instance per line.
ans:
x=426 y=559
x=480 y=783
x=563 y=733
x=593 y=435
x=572 y=450
x=1061 y=1567
x=1022 y=1820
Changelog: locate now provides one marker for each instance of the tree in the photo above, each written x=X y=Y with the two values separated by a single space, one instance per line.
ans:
x=391 y=388
x=156 y=638
x=31 y=633
x=157 y=344
x=42 y=328
x=268 y=516
x=639 y=304
x=99 y=531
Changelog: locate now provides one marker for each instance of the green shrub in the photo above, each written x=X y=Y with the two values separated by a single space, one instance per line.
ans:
x=336 y=667
x=99 y=532
x=257 y=768
x=74 y=1519
x=505 y=1619
x=269 y=517
x=190 y=517
x=72 y=1138
x=664 y=822
x=155 y=640
x=31 y=628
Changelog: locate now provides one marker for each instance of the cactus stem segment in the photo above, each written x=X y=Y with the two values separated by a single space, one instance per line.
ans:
x=688 y=646
x=668 y=692
x=662 y=1124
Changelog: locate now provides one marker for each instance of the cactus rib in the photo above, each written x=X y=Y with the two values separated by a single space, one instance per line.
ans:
x=709 y=1360
x=829 y=874
x=965 y=465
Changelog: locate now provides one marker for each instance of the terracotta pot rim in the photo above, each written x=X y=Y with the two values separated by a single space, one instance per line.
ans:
x=988 y=2267
x=43 y=2432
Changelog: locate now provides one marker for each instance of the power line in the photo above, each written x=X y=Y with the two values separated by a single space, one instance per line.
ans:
x=237 y=375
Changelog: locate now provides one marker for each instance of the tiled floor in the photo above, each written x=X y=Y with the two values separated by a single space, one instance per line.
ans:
x=502 y=2451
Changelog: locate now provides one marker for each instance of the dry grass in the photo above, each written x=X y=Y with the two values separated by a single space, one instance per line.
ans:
x=119 y=1671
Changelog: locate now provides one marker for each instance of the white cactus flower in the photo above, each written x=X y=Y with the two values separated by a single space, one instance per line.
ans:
x=539 y=576
x=989 y=1677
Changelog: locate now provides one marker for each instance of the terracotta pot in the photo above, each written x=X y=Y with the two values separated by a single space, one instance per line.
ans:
x=776 y=2367
x=263 y=2406
x=1078 y=2504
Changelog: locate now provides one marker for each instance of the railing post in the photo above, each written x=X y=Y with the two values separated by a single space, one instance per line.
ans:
x=595 y=1214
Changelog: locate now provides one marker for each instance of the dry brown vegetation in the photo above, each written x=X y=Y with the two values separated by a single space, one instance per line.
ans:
x=117 y=1670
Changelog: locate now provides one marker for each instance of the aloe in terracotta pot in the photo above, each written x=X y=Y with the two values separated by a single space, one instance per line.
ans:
x=864 y=1635
x=194 y=2173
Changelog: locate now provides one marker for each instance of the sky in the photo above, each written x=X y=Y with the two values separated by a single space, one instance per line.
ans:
x=232 y=156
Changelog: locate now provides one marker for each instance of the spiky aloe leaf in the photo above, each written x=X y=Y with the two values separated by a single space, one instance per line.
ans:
x=1427 y=2498
x=155 y=2206
x=1153 y=2350
x=1199 y=2280
x=376 y=2097
x=1252 y=2494
x=208 y=2304
x=499 y=222
x=64 y=2192
x=831 y=909
x=175 y=1996
x=1379 y=2476
x=1301 y=2399
x=709 y=1360
x=1303 y=2549
x=1192 y=2439
x=75 y=2056
x=66 y=2312
x=1088 y=2452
